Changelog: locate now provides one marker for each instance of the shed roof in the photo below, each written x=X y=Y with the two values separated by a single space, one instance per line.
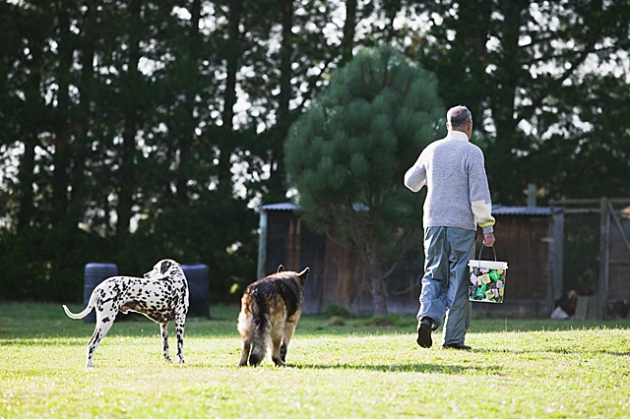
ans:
x=506 y=210
x=496 y=209
x=280 y=206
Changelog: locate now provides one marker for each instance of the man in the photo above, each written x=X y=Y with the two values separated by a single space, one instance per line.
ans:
x=458 y=200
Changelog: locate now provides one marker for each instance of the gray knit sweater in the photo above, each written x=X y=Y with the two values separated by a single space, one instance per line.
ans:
x=458 y=194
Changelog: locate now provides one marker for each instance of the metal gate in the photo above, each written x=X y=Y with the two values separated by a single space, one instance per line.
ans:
x=614 y=247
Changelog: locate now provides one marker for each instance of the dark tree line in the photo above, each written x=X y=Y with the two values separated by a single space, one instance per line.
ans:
x=136 y=130
x=545 y=81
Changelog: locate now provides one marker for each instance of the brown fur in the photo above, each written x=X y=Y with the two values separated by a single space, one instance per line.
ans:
x=270 y=310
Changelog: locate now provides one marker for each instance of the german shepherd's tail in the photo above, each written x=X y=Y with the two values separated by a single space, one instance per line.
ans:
x=260 y=329
x=85 y=312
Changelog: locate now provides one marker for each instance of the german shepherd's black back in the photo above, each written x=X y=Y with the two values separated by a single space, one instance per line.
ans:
x=270 y=310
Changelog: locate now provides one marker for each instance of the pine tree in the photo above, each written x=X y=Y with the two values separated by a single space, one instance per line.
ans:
x=347 y=154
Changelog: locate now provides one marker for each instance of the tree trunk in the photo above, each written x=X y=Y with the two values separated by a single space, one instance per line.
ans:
x=503 y=109
x=379 y=296
x=276 y=187
x=26 y=177
x=349 y=29
x=371 y=258
x=127 y=167
x=229 y=100
x=188 y=124
x=472 y=35
x=63 y=152
x=26 y=173
x=82 y=120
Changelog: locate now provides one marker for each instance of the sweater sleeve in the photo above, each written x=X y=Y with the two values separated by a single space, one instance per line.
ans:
x=416 y=176
x=480 y=202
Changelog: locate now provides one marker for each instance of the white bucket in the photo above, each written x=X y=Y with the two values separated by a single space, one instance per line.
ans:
x=487 y=281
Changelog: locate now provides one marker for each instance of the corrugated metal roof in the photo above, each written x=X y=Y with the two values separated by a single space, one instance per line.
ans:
x=280 y=206
x=506 y=210
x=496 y=209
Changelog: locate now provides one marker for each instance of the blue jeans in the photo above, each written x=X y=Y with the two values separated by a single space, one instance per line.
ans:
x=447 y=251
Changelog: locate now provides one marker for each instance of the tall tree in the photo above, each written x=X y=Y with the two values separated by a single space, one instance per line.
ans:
x=131 y=80
x=61 y=137
x=24 y=112
x=515 y=65
x=289 y=70
x=348 y=153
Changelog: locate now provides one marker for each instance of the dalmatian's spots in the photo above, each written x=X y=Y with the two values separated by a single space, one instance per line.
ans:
x=162 y=296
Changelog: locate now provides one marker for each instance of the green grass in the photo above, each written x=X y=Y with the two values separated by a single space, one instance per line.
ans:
x=339 y=367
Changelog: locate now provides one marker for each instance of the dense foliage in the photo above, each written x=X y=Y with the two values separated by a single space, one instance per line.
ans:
x=134 y=130
x=347 y=156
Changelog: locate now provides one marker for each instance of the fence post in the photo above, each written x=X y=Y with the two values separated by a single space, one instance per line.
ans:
x=262 y=245
x=604 y=256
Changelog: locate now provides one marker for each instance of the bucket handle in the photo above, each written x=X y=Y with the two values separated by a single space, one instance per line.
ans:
x=493 y=251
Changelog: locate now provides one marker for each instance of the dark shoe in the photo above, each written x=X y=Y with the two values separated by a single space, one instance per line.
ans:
x=424 y=333
x=457 y=346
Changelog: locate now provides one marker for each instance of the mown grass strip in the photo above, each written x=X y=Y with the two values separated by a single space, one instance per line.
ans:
x=355 y=368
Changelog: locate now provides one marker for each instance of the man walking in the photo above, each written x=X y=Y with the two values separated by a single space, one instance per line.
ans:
x=458 y=200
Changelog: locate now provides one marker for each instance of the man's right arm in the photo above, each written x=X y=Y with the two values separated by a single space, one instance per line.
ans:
x=416 y=176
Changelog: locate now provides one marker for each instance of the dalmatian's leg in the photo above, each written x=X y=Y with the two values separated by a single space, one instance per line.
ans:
x=180 y=323
x=164 y=330
x=104 y=320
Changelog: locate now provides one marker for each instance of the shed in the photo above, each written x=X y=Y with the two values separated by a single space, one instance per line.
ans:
x=523 y=237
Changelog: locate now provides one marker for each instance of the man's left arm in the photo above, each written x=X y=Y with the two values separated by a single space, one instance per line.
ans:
x=480 y=202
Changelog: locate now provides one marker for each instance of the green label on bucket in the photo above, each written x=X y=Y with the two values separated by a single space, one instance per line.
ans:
x=481 y=290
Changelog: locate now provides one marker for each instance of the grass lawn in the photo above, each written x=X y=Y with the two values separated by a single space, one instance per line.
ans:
x=347 y=368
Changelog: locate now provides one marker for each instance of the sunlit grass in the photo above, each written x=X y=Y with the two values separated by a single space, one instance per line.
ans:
x=346 y=368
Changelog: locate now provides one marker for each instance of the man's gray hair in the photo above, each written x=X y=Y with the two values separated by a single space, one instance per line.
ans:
x=458 y=116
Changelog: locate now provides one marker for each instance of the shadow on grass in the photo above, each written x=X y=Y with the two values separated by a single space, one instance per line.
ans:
x=558 y=351
x=422 y=368
x=564 y=351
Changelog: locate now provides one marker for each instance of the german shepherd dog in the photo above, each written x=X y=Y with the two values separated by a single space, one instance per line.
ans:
x=270 y=310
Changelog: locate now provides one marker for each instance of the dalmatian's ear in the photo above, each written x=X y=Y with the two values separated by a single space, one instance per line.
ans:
x=165 y=266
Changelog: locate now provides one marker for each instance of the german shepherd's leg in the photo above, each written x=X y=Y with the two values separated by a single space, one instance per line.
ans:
x=283 y=352
x=164 y=332
x=276 y=341
x=289 y=329
x=180 y=324
x=245 y=354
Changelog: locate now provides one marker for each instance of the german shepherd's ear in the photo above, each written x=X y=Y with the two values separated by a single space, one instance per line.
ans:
x=280 y=268
x=302 y=276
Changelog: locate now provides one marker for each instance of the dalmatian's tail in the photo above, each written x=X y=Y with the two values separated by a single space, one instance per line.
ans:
x=82 y=314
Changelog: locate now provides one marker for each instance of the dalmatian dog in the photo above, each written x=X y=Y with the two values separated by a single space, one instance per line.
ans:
x=162 y=296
